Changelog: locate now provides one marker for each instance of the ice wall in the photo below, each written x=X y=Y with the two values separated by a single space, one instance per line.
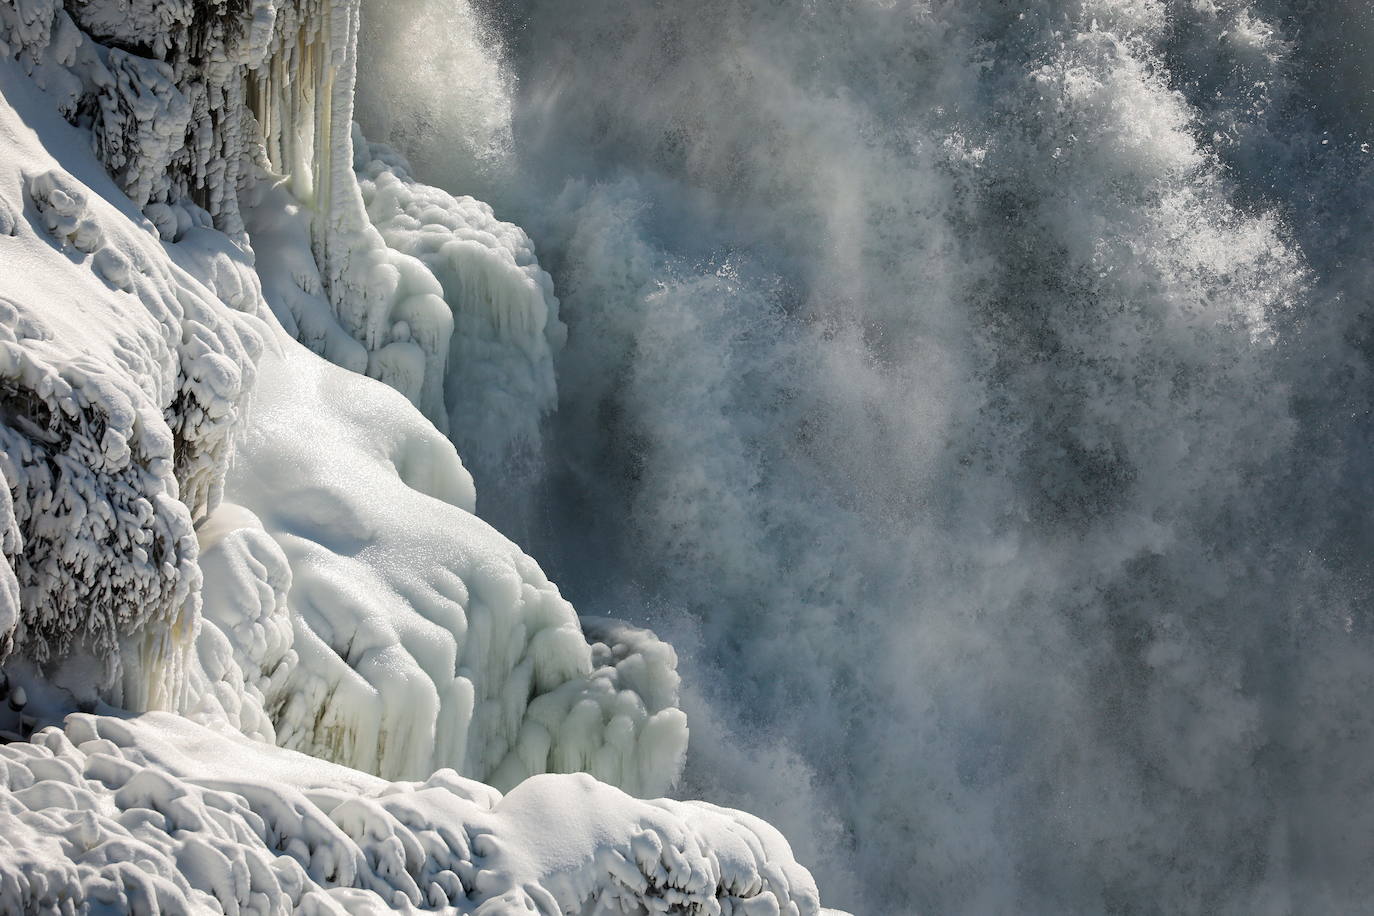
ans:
x=192 y=105
x=498 y=380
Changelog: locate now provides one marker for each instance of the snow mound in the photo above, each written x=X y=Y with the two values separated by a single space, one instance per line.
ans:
x=424 y=638
x=156 y=814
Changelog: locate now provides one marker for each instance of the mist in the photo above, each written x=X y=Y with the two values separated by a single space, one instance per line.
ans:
x=978 y=397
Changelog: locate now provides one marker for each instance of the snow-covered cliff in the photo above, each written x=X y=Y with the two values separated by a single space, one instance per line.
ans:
x=205 y=518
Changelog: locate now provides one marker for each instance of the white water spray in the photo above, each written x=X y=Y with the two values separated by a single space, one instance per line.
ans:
x=978 y=395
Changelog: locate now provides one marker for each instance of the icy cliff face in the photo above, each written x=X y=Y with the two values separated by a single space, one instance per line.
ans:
x=191 y=105
x=355 y=607
x=124 y=377
x=203 y=517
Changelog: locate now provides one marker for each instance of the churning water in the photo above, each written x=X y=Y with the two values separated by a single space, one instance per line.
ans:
x=978 y=393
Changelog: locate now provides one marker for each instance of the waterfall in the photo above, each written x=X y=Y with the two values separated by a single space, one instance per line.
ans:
x=978 y=397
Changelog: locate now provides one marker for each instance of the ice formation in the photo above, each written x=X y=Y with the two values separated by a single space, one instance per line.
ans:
x=124 y=379
x=506 y=330
x=204 y=518
x=424 y=638
x=231 y=95
x=159 y=815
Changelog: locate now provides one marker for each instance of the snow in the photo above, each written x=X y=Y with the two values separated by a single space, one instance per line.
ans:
x=157 y=814
x=245 y=641
x=425 y=638
x=123 y=379
x=244 y=585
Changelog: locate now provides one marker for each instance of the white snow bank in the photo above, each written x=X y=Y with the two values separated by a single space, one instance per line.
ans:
x=156 y=814
x=424 y=637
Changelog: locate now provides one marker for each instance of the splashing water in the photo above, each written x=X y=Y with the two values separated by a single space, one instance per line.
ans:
x=979 y=396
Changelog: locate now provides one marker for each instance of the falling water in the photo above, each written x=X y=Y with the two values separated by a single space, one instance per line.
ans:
x=978 y=394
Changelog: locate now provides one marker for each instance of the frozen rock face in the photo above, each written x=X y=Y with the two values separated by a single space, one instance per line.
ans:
x=191 y=104
x=194 y=104
x=198 y=93
x=122 y=376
